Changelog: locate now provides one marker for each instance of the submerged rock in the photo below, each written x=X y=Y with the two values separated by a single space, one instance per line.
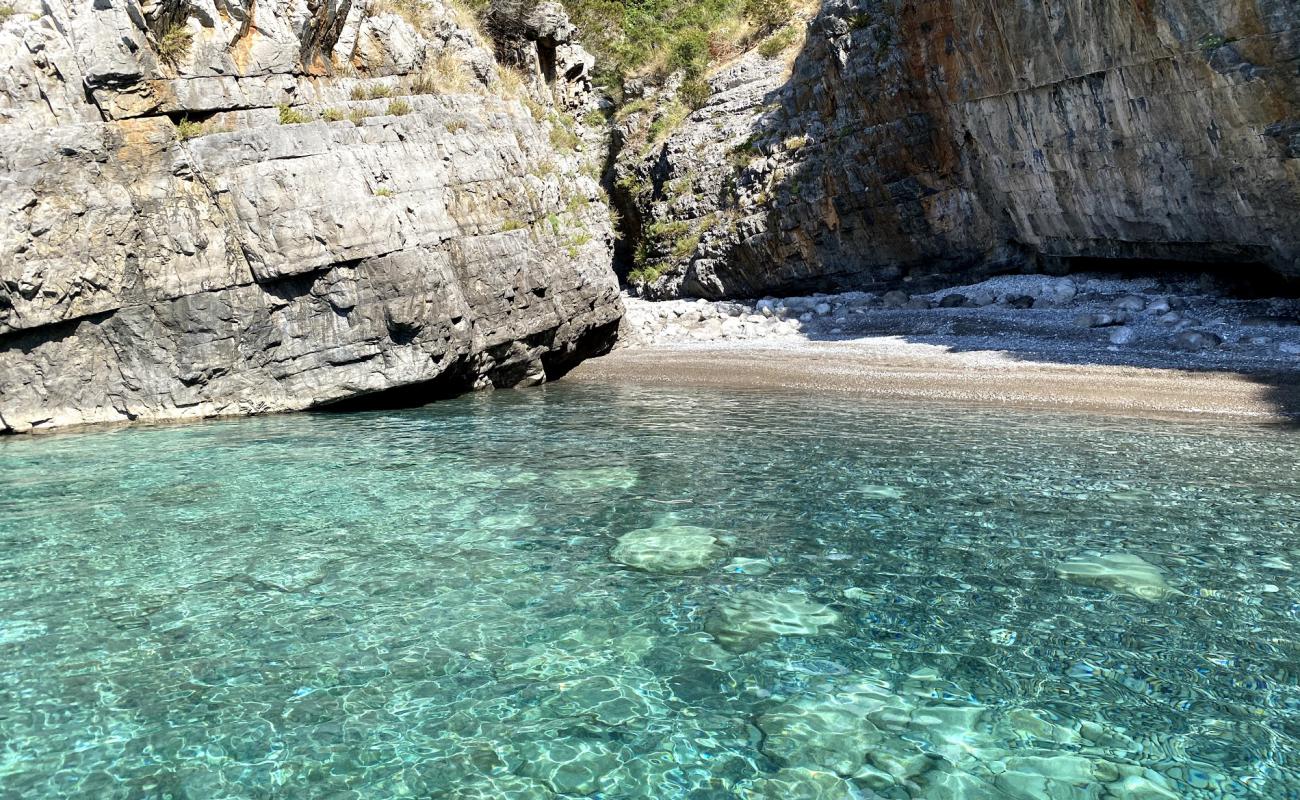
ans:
x=1121 y=572
x=492 y=787
x=748 y=620
x=608 y=699
x=1035 y=725
x=570 y=766
x=748 y=566
x=834 y=732
x=880 y=492
x=596 y=478
x=667 y=548
x=798 y=783
x=1035 y=777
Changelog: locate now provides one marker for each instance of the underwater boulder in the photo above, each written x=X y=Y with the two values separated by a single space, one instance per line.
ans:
x=797 y=783
x=832 y=733
x=667 y=548
x=748 y=620
x=596 y=479
x=748 y=566
x=571 y=766
x=1121 y=572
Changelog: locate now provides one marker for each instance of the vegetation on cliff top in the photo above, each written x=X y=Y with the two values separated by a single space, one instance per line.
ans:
x=655 y=38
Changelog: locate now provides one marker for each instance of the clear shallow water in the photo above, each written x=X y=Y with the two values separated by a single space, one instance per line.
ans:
x=426 y=603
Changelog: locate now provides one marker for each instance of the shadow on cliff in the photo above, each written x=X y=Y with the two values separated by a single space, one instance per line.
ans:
x=880 y=185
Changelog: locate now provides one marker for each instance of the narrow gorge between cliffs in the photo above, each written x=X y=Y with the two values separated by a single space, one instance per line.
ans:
x=649 y=399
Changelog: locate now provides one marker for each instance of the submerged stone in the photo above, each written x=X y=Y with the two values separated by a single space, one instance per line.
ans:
x=609 y=699
x=493 y=787
x=1121 y=572
x=881 y=492
x=748 y=566
x=668 y=548
x=1058 y=776
x=834 y=732
x=570 y=766
x=747 y=620
x=1140 y=787
x=596 y=478
x=1032 y=724
x=824 y=734
x=798 y=783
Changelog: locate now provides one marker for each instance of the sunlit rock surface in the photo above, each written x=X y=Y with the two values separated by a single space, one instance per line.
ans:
x=300 y=204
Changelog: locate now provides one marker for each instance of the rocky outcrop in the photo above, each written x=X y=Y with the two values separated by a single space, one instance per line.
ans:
x=236 y=206
x=926 y=141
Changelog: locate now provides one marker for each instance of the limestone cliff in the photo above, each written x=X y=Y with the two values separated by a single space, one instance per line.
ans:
x=235 y=206
x=906 y=141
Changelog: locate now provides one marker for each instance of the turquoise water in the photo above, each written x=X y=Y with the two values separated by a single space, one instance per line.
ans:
x=619 y=593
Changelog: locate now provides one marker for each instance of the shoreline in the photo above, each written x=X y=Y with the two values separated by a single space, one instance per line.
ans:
x=1167 y=349
x=890 y=369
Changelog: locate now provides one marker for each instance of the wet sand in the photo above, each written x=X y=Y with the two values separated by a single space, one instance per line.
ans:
x=890 y=368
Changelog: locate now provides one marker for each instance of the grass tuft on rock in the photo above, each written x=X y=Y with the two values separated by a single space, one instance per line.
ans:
x=415 y=12
x=174 y=45
x=443 y=74
x=654 y=38
x=188 y=129
x=292 y=116
x=779 y=42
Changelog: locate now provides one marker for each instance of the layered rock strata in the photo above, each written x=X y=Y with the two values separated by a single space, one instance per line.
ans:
x=220 y=207
x=909 y=141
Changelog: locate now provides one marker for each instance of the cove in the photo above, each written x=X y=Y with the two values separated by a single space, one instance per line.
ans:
x=464 y=600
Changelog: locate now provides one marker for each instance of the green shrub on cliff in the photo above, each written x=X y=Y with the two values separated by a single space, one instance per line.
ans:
x=290 y=115
x=667 y=122
x=768 y=15
x=188 y=129
x=415 y=12
x=694 y=93
x=563 y=137
x=779 y=42
x=174 y=45
x=657 y=37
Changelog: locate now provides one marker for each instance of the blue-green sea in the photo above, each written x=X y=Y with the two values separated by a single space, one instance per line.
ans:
x=606 y=592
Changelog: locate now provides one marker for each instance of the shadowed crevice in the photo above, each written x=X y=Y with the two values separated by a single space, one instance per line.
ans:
x=456 y=380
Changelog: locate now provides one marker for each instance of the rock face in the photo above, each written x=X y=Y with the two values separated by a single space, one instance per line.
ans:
x=226 y=207
x=942 y=138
